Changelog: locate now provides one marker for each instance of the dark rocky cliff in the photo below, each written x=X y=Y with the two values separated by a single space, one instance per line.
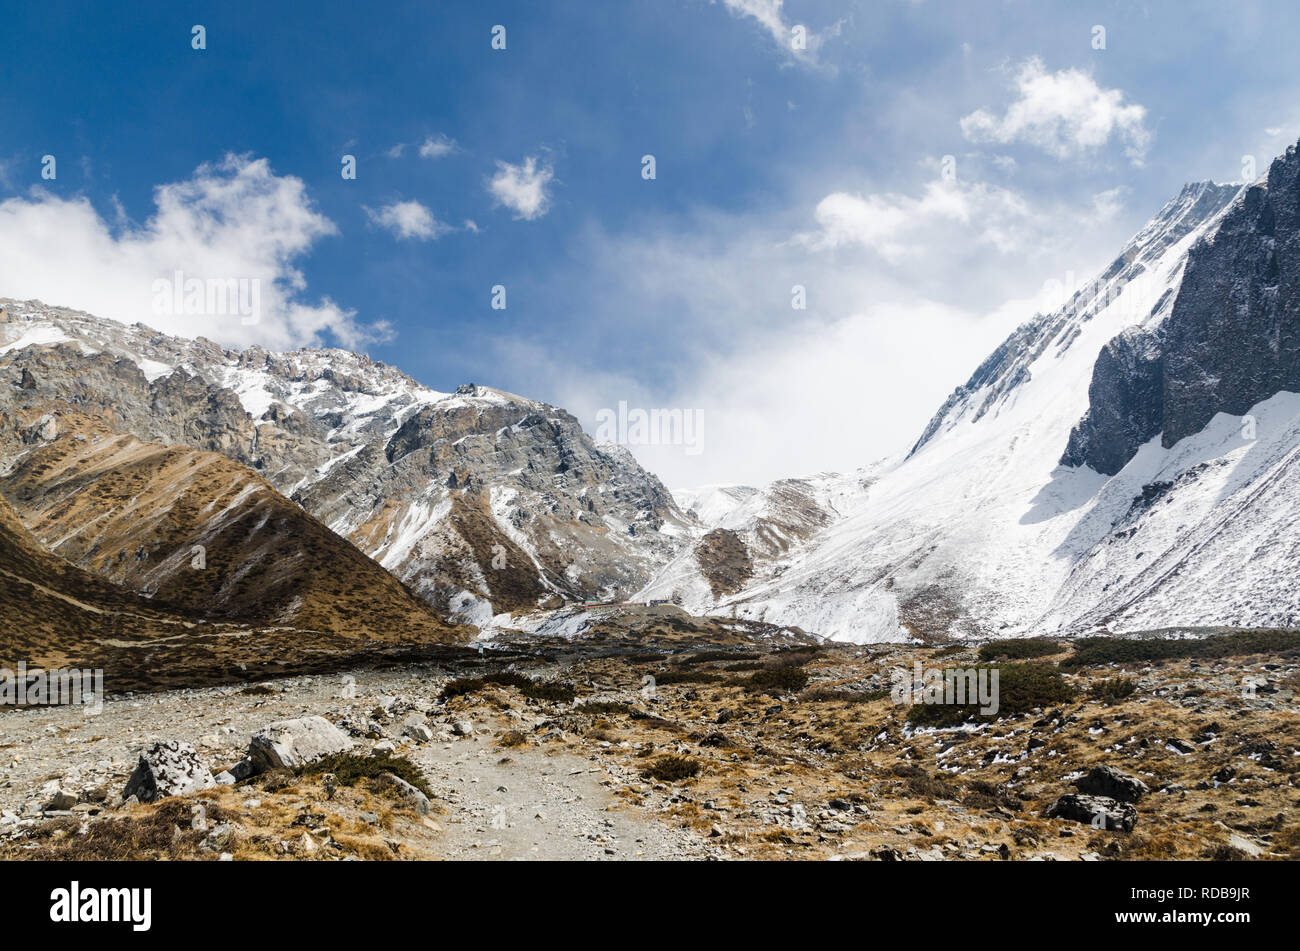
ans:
x=1231 y=339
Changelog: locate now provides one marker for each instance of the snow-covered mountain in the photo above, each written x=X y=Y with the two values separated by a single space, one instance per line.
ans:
x=482 y=501
x=1019 y=510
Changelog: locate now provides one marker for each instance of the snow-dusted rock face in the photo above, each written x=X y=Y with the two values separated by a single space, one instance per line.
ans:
x=482 y=501
x=1124 y=399
x=1137 y=288
x=980 y=530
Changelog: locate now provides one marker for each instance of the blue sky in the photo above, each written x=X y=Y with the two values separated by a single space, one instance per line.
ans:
x=822 y=167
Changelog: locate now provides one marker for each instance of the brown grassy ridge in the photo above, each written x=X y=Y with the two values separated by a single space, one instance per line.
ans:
x=133 y=512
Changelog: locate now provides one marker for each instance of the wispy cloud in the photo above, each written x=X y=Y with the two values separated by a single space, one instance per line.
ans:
x=523 y=188
x=433 y=147
x=1065 y=114
x=437 y=147
x=795 y=39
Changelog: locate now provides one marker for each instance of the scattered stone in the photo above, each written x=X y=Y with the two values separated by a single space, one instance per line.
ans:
x=418 y=730
x=1245 y=845
x=60 y=800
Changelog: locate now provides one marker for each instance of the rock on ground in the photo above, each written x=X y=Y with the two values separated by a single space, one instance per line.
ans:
x=1107 y=813
x=1111 y=783
x=169 y=768
x=408 y=793
x=291 y=743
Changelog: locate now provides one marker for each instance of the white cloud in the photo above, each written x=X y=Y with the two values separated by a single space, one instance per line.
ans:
x=408 y=219
x=396 y=151
x=1106 y=205
x=231 y=221
x=1065 y=114
x=806 y=397
x=436 y=148
x=770 y=16
x=522 y=188
x=767 y=13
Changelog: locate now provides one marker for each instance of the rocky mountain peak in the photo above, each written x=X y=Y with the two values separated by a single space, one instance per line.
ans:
x=441 y=487
x=1008 y=367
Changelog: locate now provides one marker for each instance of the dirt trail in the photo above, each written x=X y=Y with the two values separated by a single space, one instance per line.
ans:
x=526 y=805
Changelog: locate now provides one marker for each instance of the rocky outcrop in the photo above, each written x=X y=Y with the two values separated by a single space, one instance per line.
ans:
x=724 y=561
x=740 y=533
x=1124 y=403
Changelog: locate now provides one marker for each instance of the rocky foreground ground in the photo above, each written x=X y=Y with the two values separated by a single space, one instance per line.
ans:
x=609 y=751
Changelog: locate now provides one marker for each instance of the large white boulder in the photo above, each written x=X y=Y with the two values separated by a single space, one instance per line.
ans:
x=297 y=742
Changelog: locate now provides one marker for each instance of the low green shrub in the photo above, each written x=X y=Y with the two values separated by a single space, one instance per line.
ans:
x=1021 y=648
x=1089 y=651
x=349 y=769
x=1112 y=691
x=533 y=689
x=1021 y=688
x=776 y=680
